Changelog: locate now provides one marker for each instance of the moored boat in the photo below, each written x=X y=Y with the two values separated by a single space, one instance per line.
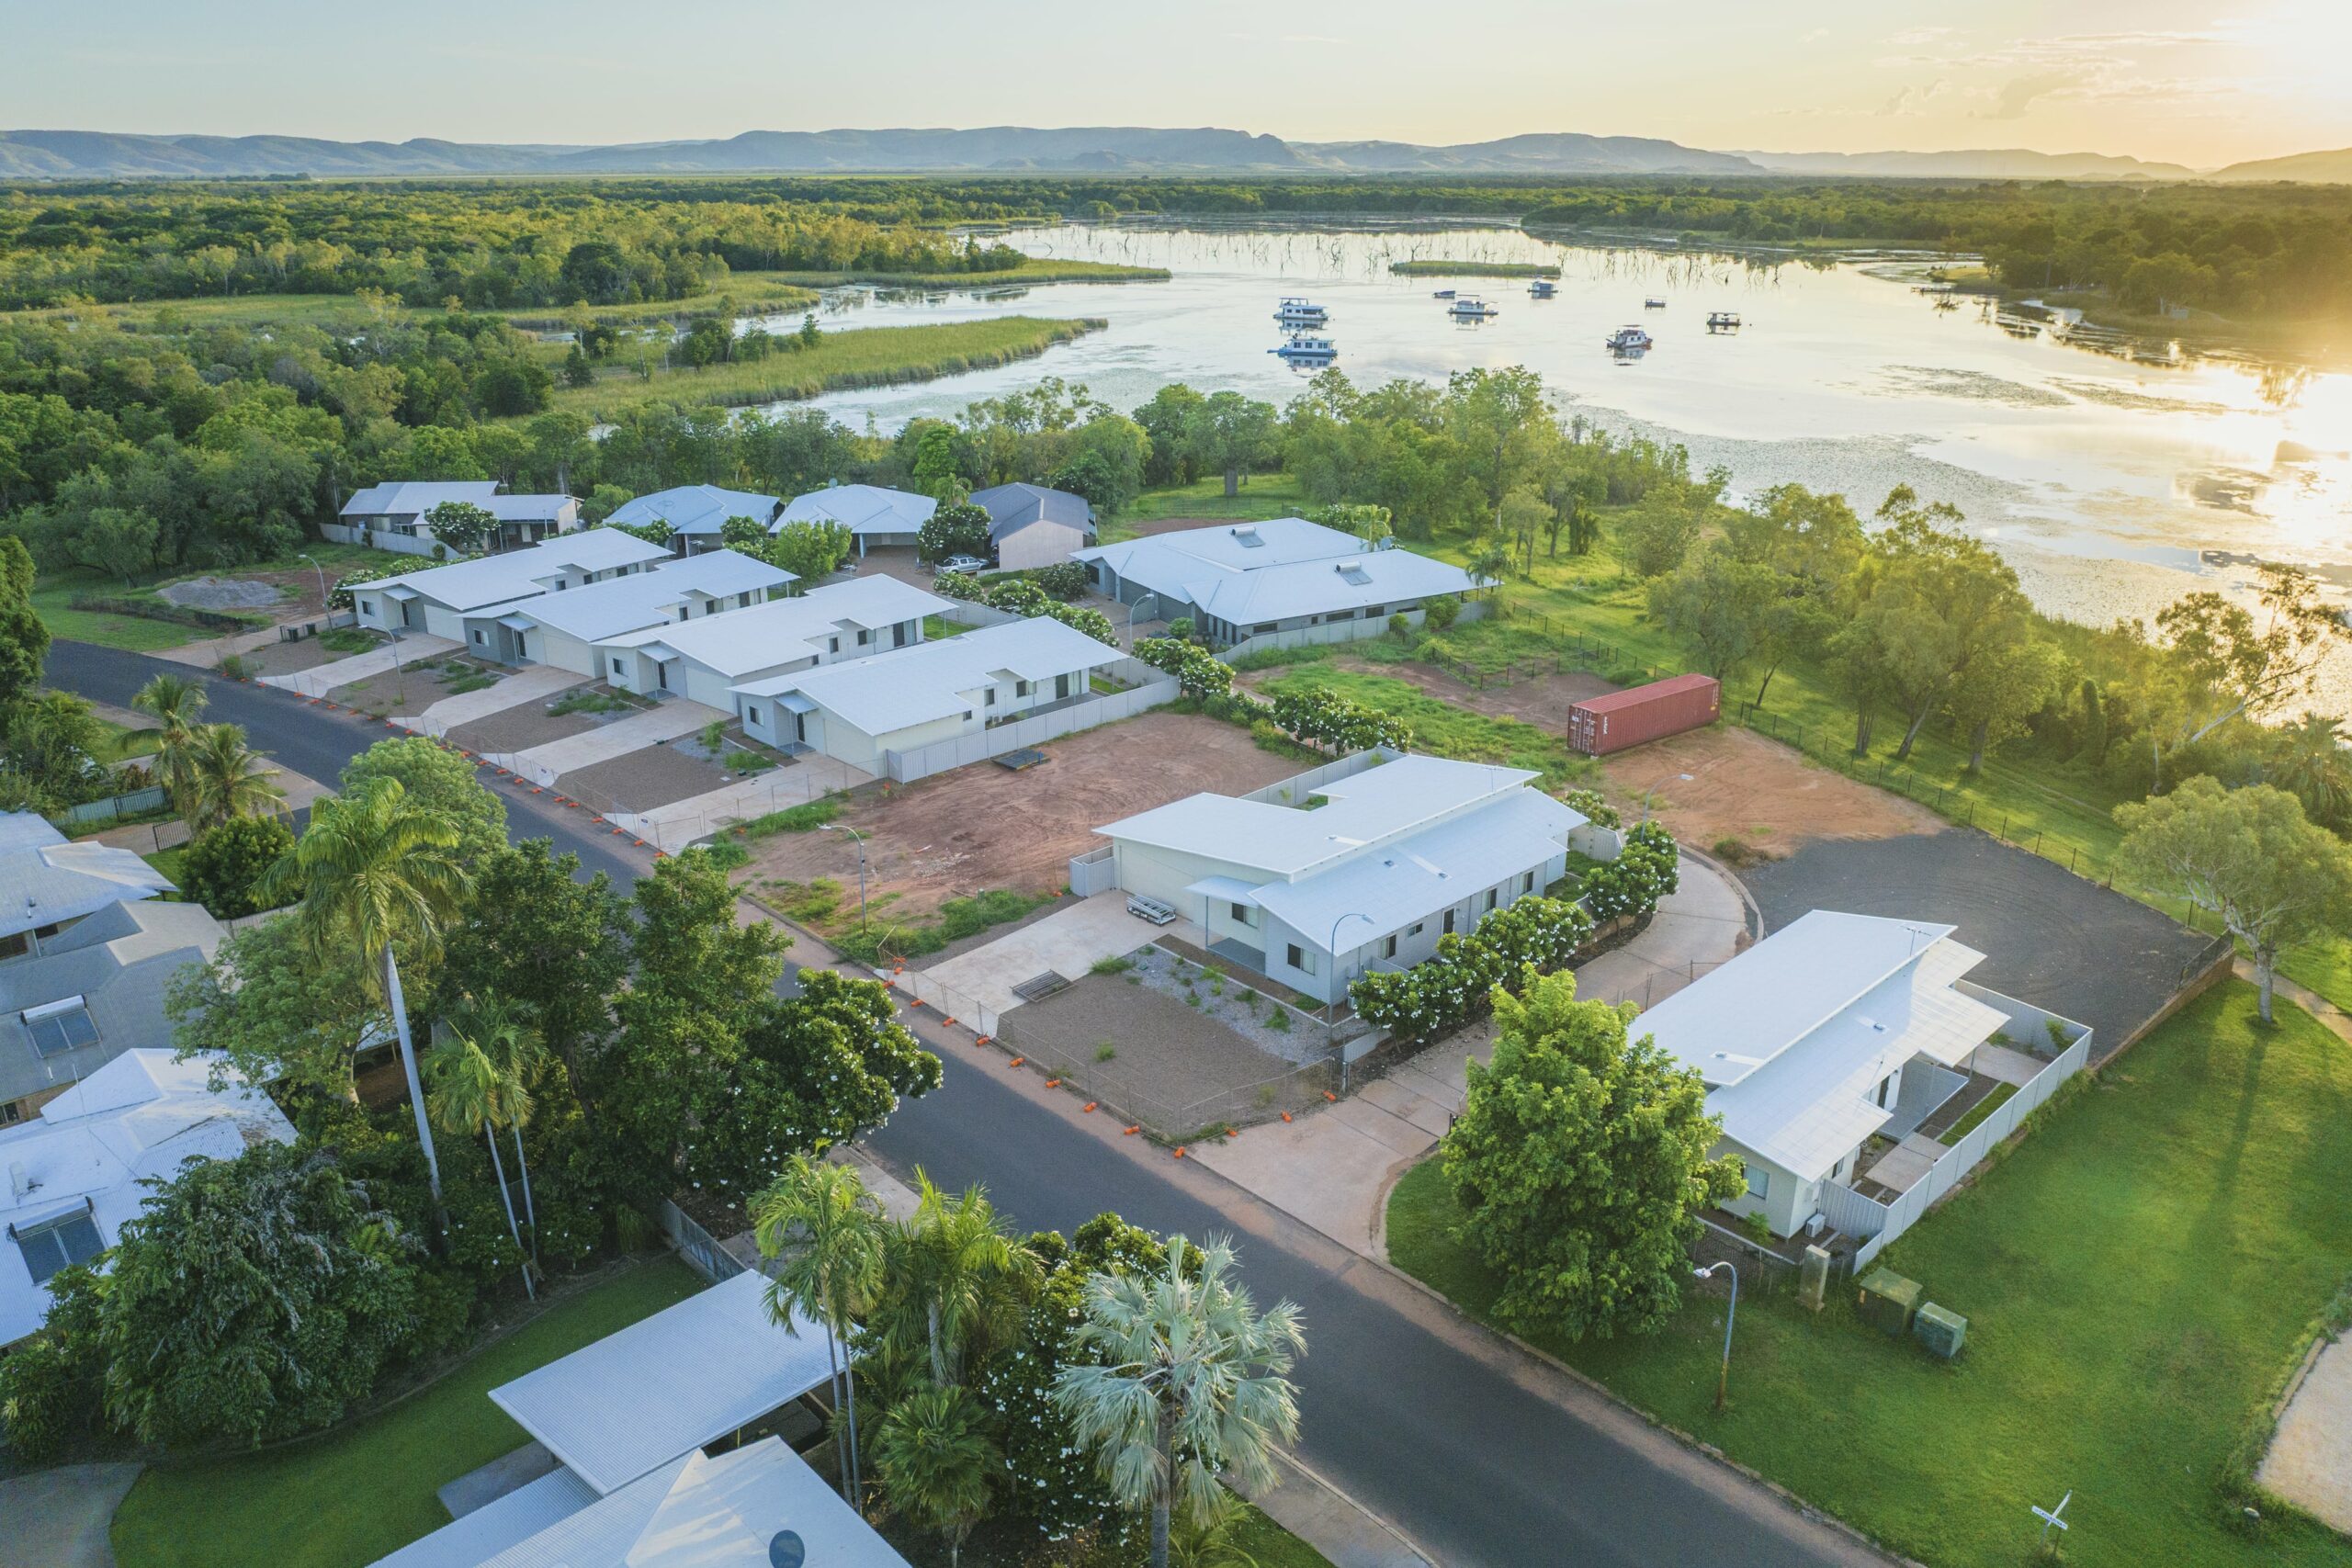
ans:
x=1294 y=312
x=1626 y=340
x=1304 y=350
x=1469 y=310
x=1543 y=288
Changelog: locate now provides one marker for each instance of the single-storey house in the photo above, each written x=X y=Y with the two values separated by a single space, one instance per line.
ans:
x=51 y=883
x=918 y=696
x=1366 y=872
x=398 y=509
x=705 y=659
x=1240 y=580
x=94 y=991
x=455 y=600
x=879 y=518
x=1030 y=525
x=75 y=1171
x=1827 y=1047
x=695 y=513
x=564 y=629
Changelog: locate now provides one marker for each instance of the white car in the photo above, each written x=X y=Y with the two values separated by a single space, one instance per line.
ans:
x=965 y=564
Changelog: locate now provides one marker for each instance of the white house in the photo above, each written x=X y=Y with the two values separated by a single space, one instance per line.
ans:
x=565 y=629
x=879 y=518
x=918 y=696
x=1366 y=871
x=392 y=517
x=1828 y=1045
x=48 y=884
x=695 y=513
x=465 y=596
x=1240 y=580
x=73 y=1171
x=705 y=659
x=1030 y=525
x=93 y=991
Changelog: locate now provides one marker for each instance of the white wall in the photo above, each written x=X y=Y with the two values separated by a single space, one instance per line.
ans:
x=1038 y=544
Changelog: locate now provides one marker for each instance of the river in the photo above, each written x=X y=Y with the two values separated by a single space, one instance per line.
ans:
x=2103 y=470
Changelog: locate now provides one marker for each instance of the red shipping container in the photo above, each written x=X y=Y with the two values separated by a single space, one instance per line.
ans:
x=1601 y=725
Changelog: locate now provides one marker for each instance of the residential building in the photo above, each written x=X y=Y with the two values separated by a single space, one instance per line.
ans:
x=695 y=513
x=1312 y=886
x=911 y=697
x=383 y=513
x=75 y=1172
x=705 y=659
x=464 y=597
x=47 y=884
x=1839 y=1049
x=1242 y=580
x=93 y=991
x=1031 y=527
x=878 y=518
x=565 y=629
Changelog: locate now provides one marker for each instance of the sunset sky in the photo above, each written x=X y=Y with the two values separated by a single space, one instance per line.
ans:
x=2203 y=83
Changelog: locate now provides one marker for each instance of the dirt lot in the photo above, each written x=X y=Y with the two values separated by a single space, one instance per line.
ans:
x=647 y=777
x=412 y=690
x=983 y=827
x=520 y=727
x=1756 y=790
x=1543 y=701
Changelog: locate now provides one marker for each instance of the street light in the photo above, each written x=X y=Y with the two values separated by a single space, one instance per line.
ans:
x=1722 y=1378
x=844 y=827
x=1133 y=607
x=1331 y=1008
x=1651 y=795
x=324 y=608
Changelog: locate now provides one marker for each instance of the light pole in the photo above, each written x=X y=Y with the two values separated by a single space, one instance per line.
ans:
x=1722 y=1378
x=844 y=827
x=1331 y=1008
x=324 y=608
x=1132 y=607
x=1652 y=795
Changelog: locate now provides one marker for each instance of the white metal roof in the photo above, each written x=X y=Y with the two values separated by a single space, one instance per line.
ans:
x=1277 y=570
x=601 y=1535
x=1374 y=806
x=517 y=574
x=44 y=879
x=667 y=1384
x=1179 y=556
x=1412 y=877
x=476 y=1538
x=1013 y=507
x=696 y=509
x=862 y=509
x=908 y=686
x=402 y=498
x=785 y=631
x=642 y=598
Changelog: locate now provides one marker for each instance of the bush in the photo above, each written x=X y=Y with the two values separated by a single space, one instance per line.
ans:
x=1439 y=995
x=961 y=530
x=1439 y=614
x=224 y=863
x=52 y=1385
x=1646 y=871
x=1400 y=626
x=1758 y=1229
x=1592 y=806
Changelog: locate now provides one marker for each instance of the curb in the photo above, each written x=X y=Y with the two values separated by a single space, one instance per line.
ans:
x=1337 y=1551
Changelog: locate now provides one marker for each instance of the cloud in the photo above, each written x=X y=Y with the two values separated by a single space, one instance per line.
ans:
x=1912 y=99
x=2018 y=95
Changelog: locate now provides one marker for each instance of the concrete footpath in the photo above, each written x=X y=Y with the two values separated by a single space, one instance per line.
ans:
x=58 y=1519
x=2310 y=1461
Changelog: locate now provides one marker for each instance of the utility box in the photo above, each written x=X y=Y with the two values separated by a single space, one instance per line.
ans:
x=1888 y=1301
x=1813 y=1277
x=1599 y=725
x=1940 y=1329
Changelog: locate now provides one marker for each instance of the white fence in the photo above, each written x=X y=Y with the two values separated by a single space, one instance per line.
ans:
x=698 y=1247
x=1155 y=690
x=1096 y=871
x=1359 y=629
x=397 y=543
x=1298 y=786
x=115 y=806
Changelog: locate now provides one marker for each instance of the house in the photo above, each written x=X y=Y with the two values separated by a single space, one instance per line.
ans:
x=93 y=991
x=911 y=697
x=469 y=596
x=1839 y=1049
x=1365 y=870
x=878 y=518
x=1242 y=580
x=383 y=513
x=565 y=629
x=705 y=659
x=650 y=1470
x=695 y=513
x=75 y=1171
x=1030 y=525
x=50 y=883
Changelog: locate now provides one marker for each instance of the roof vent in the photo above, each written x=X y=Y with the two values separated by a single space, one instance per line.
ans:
x=1352 y=572
x=1249 y=536
x=20 y=1180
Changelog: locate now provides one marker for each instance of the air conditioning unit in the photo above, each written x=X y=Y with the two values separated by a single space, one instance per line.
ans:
x=1815 y=1225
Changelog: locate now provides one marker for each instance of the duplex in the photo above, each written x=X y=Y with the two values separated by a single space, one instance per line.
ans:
x=1367 y=870
x=705 y=659
x=1030 y=525
x=858 y=710
x=457 y=600
x=876 y=517
x=392 y=517
x=1242 y=580
x=565 y=629
x=695 y=513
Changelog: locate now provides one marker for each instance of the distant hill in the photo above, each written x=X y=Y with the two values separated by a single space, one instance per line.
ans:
x=1993 y=164
x=2320 y=168
x=1550 y=152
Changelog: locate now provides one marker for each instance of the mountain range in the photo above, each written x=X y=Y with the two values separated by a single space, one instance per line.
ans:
x=96 y=154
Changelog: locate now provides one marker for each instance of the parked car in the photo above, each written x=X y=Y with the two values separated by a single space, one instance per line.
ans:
x=965 y=564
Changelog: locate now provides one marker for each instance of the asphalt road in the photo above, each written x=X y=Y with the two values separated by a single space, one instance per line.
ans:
x=1478 y=1451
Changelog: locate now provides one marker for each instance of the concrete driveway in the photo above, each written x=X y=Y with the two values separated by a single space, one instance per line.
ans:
x=1068 y=941
x=58 y=1519
x=545 y=764
x=320 y=679
x=537 y=681
x=683 y=822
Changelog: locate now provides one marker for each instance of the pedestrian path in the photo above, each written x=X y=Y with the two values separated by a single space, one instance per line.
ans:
x=533 y=683
x=545 y=764
x=320 y=679
x=808 y=778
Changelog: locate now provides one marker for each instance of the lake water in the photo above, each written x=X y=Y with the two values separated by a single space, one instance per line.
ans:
x=2100 y=474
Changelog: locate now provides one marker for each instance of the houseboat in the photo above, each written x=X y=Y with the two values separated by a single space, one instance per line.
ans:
x=1304 y=350
x=1543 y=288
x=1653 y=303
x=1300 y=313
x=1469 y=310
x=1442 y=294
x=1626 y=340
x=1722 y=321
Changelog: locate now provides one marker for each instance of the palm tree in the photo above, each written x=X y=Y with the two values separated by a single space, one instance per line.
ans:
x=225 y=779
x=503 y=1032
x=818 y=1218
x=1210 y=1540
x=964 y=1281
x=177 y=704
x=375 y=870
x=1175 y=1378
x=935 y=1461
x=469 y=1093
x=2311 y=764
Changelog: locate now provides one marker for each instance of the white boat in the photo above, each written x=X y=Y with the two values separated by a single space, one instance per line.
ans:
x=1469 y=310
x=1626 y=340
x=1300 y=313
x=1722 y=321
x=1543 y=288
x=1304 y=350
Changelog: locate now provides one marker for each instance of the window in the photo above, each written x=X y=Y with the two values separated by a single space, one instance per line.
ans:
x=1389 y=948
x=1527 y=883
x=617 y=668
x=47 y=1249
x=367 y=607
x=478 y=637
x=1414 y=928
x=1449 y=920
x=990 y=700
x=1240 y=912
x=1301 y=960
x=864 y=636
x=61 y=1027
x=1021 y=688
x=833 y=645
x=1490 y=898
x=751 y=715
x=16 y=944
x=1884 y=1084
x=1759 y=1181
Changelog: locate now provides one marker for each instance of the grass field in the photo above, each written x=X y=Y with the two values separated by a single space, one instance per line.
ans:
x=1033 y=269
x=53 y=594
x=1438 y=727
x=2138 y=1275
x=357 y=1494
x=1262 y=495
x=859 y=356
x=1472 y=269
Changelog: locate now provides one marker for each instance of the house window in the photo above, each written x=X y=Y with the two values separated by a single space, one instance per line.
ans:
x=1301 y=960
x=1389 y=948
x=1884 y=1084
x=1021 y=688
x=16 y=944
x=1490 y=898
x=367 y=607
x=47 y=1249
x=751 y=715
x=617 y=669
x=1240 y=913
x=1759 y=1181
x=863 y=638
x=478 y=637
x=833 y=645
x=1414 y=928
x=1449 y=920
x=1527 y=883
x=65 y=1029
x=990 y=700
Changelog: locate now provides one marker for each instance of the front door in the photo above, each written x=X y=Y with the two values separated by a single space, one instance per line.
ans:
x=899 y=635
x=661 y=674
x=1061 y=685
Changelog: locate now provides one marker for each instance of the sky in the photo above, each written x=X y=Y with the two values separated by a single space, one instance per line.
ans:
x=2203 y=83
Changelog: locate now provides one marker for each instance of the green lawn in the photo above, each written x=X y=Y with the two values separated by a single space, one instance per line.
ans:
x=1262 y=495
x=54 y=593
x=1438 y=727
x=2137 y=1275
x=358 y=1493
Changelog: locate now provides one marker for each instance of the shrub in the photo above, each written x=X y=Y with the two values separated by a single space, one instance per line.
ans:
x=725 y=853
x=52 y=1385
x=1758 y=1229
x=1440 y=994
x=339 y=596
x=1646 y=871
x=1064 y=579
x=233 y=666
x=1439 y=614
x=1594 y=808
x=1112 y=966
x=1181 y=628
x=1400 y=626
x=223 y=864
x=960 y=530
x=1106 y=1051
